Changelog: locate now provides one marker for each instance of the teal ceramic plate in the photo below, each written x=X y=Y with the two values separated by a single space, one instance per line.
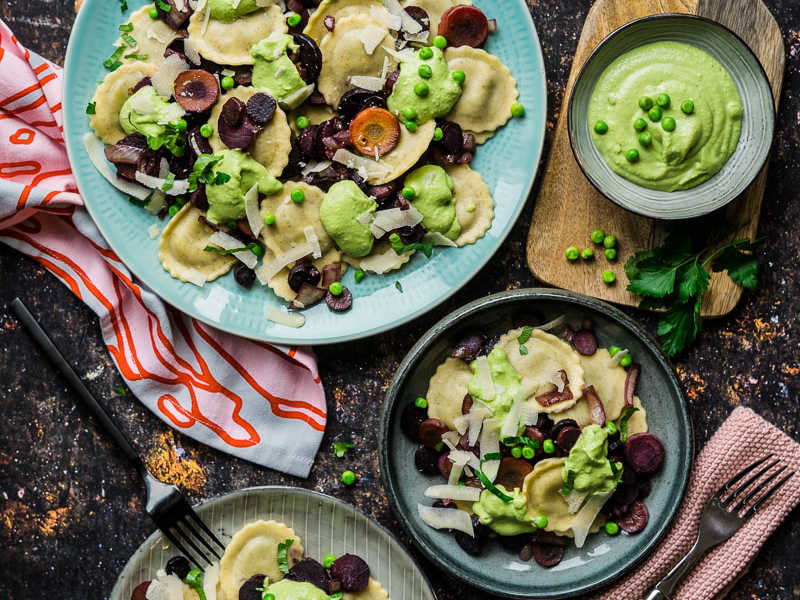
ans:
x=758 y=121
x=324 y=524
x=508 y=163
x=603 y=558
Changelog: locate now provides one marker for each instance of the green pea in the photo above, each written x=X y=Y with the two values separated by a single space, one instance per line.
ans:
x=640 y=124
x=572 y=253
x=422 y=89
x=348 y=477
x=612 y=528
x=269 y=219
x=359 y=275
x=632 y=155
x=425 y=53
x=411 y=125
x=180 y=125
x=425 y=71
x=440 y=42
x=612 y=350
x=654 y=114
x=298 y=196
x=516 y=452
x=517 y=110
x=668 y=124
x=173 y=210
x=609 y=277
x=153 y=12
x=687 y=106
x=611 y=428
x=270 y=596
x=227 y=82
x=540 y=521
x=328 y=561
x=206 y=130
x=548 y=446
x=421 y=402
x=438 y=134
x=410 y=113
x=645 y=103
x=302 y=122
x=610 y=241
x=336 y=288
x=611 y=254
x=600 y=127
x=528 y=453
x=626 y=361
x=663 y=100
x=587 y=254
x=256 y=249
x=597 y=236
x=409 y=193
x=458 y=76
x=645 y=138
x=294 y=20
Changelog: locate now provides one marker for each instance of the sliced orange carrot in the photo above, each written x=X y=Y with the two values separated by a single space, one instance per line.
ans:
x=375 y=131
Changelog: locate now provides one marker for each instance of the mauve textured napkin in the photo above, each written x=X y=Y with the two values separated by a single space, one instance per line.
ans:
x=742 y=439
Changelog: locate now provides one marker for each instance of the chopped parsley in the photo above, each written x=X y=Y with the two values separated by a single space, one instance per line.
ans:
x=168 y=182
x=130 y=40
x=283 y=555
x=194 y=579
x=126 y=28
x=397 y=245
x=569 y=484
x=623 y=422
x=399 y=286
x=163 y=5
x=487 y=483
x=523 y=441
x=341 y=448
x=253 y=247
x=137 y=56
x=91 y=108
x=524 y=337
x=139 y=203
x=112 y=63
x=121 y=390
x=123 y=5
x=615 y=471
x=201 y=172
x=172 y=139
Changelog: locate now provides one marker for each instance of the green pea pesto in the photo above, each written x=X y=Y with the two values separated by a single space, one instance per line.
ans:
x=442 y=90
x=339 y=213
x=226 y=200
x=504 y=518
x=505 y=379
x=223 y=10
x=150 y=123
x=434 y=198
x=273 y=71
x=286 y=589
x=588 y=460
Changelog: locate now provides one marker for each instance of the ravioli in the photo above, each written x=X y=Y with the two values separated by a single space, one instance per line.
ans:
x=474 y=204
x=180 y=248
x=608 y=382
x=291 y=219
x=152 y=37
x=280 y=282
x=271 y=146
x=338 y=9
x=368 y=263
x=542 y=488
x=638 y=420
x=547 y=355
x=488 y=91
x=253 y=551
x=406 y=154
x=446 y=391
x=344 y=55
x=435 y=9
x=230 y=43
x=111 y=95
x=315 y=114
x=483 y=137
x=373 y=591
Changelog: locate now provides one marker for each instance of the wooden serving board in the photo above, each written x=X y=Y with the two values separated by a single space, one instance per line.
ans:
x=568 y=207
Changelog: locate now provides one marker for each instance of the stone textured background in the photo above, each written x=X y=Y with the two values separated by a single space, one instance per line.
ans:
x=72 y=512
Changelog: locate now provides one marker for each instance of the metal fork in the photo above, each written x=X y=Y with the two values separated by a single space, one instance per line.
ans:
x=165 y=503
x=720 y=520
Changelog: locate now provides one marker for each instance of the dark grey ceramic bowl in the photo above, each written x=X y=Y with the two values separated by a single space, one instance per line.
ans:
x=603 y=558
x=758 y=121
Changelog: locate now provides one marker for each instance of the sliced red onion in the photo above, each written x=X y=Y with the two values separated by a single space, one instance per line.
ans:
x=585 y=342
x=308 y=296
x=122 y=154
x=596 y=409
x=330 y=274
x=630 y=382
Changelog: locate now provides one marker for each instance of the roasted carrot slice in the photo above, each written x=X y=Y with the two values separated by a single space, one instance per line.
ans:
x=375 y=131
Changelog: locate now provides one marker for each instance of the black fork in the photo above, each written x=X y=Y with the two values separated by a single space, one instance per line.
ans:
x=165 y=503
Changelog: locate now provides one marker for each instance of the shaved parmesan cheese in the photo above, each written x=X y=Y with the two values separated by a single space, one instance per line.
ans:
x=557 y=380
x=574 y=501
x=293 y=319
x=95 y=150
x=530 y=412
x=409 y=24
x=268 y=270
x=584 y=519
x=381 y=263
x=153 y=231
x=477 y=414
x=446 y=518
x=394 y=218
x=421 y=37
x=253 y=210
x=552 y=324
x=451 y=439
x=366 y=218
x=461 y=423
x=614 y=361
x=195 y=277
x=142 y=103
x=387 y=64
x=464 y=457
x=455 y=474
x=179 y=186
x=402 y=56
x=371 y=36
x=190 y=50
x=384 y=17
x=210 y=581
x=511 y=423
x=365 y=166
x=165 y=587
x=453 y=492
x=206 y=19
x=490 y=444
x=485 y=378
x=180 y=5
x=228 y=242
x=294 y=100
x=227 y=72
x=373 y=84
x=316 y=167
x=437 y=239
x=159 y=199
x=313 y=240
x=163 y=79
x=193 y=144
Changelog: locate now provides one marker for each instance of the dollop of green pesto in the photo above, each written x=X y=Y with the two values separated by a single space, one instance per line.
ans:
x=587 y=465
x=339 y=213
x=505 y=379
x=504 y=518
x=151 y=123
x=286 y=589
x=226 y=199
x=273 y=70
x=223 y=10
x=433 y=197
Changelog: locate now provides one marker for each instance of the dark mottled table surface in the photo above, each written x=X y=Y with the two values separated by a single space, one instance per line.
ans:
x=72 y=512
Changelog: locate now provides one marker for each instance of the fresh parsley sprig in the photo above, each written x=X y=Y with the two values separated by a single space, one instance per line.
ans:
x=674 y=277
x=341 y=448
x=283 y=555
x=202 y=172
x=400 y=248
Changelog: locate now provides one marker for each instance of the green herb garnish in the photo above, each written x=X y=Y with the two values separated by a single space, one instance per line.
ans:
x=137 y=56
x=168 y=182
x=201 y=172
x=130 y=40
x=163 y=5
x=120 y=390
x=491 y=456
x=220 y=178
x=522 y=440
x=400 y=248
x=527 y=331
x=341 y=448
x=623 y=422
x=251 y=247
x=172 y=139
x=570 y=483
x=126 y=28
x=399 y=286
x=491 y=487
x=615 y=471
x=91 y=108
x=112 y=63
x=283 y=555
x=137 y=202
x=123 y=5
x=194 y=579
x=674 y=277
x=523 y=349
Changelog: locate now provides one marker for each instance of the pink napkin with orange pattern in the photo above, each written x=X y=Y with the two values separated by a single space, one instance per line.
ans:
x=743 y=438
x=259 y=402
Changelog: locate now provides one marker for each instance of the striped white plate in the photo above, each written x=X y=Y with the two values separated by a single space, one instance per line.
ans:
x=325 y=526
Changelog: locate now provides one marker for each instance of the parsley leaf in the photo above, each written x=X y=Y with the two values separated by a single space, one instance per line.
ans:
x=397 y=245
x=121 y=390
x=741 y=267
x=163 y=6
x=693 y=281
x=201 y=171
x=168 y=182
x=569 y=484
x=126 y=28
x=623 y=422
x=91 y=108
x=172 y=139
x=399 y=286
x=223 y=252
x=283 y=555
x=123 y=5
x=341 y=448
x=650 y=277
